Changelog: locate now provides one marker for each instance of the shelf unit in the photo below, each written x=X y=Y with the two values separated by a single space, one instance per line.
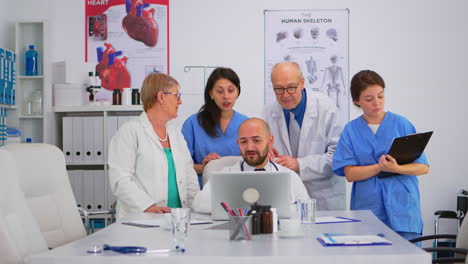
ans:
x=38 y=127
x=92 y=110
x=106 y=112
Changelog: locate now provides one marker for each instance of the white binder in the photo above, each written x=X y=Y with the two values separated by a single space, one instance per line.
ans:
x=77 y=139
x=99 y=190
x=111 y=128
x=67 y=138
x=76 y=180
x=110 y=196
x=98 y=150
x=88 y=191
x=88 y=139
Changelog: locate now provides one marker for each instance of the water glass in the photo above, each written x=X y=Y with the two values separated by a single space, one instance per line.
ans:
x=308 y=210
x=180 y=224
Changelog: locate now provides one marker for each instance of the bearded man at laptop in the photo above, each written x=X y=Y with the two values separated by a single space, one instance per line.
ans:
x=255 y=141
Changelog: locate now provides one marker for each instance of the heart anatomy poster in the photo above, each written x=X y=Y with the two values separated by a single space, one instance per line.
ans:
x=318 y=40
x=126 y=40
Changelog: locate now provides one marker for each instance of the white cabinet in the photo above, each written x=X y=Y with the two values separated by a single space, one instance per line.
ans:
x=34 y=126
x=84 y=133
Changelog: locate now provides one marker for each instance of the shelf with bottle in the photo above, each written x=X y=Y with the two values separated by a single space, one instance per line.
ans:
x=33 y=93
x=98 y=108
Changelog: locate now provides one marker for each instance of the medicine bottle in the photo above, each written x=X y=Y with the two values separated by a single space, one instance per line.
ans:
x=255 y=222
x=31 y=56
x=135 y=96
x=266 y=217
x=116 y=97
x=275 y=220
x=126 y=96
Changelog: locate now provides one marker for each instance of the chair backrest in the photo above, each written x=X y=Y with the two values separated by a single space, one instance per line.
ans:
x=44 y=180
x=20 y=236
x=218 y=165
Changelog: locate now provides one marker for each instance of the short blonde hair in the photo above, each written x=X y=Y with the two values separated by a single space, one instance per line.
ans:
x=152 y=84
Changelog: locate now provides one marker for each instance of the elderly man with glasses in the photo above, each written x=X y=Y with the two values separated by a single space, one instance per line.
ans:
x=305 y=125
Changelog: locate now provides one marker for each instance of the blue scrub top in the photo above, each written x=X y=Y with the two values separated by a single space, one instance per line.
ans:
x=394 y=200
x=201 y=144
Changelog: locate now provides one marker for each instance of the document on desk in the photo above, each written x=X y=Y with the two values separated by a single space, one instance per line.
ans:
x=161 y=222
x=352 y=240
x=334 y=219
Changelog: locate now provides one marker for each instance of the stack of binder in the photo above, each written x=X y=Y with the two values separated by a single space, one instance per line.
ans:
x=7 y=90
x=83 y=144
x=7 y=77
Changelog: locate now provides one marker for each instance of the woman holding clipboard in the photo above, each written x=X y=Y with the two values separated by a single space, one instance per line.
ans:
x=361 y=155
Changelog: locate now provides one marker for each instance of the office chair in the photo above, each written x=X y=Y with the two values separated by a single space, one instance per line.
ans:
x=20 y=236
x=461 y=244
x=459 y=214
x=218 y=165
x=43 y=178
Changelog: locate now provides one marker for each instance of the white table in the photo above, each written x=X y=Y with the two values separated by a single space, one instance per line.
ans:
x=206 y=245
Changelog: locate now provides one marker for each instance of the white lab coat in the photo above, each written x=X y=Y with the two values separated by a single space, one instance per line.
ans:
x=320 y=132
x=202 y=202
x=138 y=168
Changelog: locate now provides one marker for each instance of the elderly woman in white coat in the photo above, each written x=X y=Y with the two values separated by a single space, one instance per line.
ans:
x=150 y=167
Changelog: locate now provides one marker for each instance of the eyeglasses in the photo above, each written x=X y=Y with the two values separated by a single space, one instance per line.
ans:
x=280 y=91
x=178 y=94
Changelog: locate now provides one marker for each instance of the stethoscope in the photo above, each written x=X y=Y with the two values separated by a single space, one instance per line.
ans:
x=272 y=163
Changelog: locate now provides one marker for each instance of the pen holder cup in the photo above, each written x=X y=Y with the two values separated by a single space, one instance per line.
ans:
x=239 y=227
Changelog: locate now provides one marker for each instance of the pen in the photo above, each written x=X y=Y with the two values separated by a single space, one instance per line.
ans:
x=227 y=208
x=240 y=211
x=125 y=250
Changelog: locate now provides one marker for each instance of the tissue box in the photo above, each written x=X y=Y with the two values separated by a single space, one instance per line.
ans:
x=67 y=94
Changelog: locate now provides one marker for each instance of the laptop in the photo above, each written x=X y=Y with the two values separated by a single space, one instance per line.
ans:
x=273 y=188
x=407 y=149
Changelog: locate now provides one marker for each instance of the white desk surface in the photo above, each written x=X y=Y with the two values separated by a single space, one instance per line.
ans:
x=205 y=245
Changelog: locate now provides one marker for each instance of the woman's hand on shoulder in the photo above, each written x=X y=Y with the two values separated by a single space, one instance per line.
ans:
x=273 y=154
x=210 y=157
x=158 y=209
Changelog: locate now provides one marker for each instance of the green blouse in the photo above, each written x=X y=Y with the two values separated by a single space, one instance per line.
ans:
x=173 y=199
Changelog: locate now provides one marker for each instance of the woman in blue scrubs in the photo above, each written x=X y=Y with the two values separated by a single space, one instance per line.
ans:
x=212 y=132
x=361 y=155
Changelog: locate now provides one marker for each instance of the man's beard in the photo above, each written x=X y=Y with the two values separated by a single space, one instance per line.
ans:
x=256 y=161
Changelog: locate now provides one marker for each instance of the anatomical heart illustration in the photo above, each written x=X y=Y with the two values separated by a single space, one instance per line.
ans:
x=112 y=70
x=139 y=23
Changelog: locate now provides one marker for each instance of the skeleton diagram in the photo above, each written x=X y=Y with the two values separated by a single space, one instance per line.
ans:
x=312 y=69
x=335 y=84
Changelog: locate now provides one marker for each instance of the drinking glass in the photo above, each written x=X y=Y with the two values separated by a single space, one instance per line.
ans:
x=180 y=223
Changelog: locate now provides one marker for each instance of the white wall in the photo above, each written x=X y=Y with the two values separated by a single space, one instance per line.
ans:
x=7 y=24
x=419 y=47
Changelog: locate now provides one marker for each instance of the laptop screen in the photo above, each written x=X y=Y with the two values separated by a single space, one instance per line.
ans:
x=273 y=187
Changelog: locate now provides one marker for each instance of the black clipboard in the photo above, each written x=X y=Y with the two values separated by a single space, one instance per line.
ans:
x=407 y=149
